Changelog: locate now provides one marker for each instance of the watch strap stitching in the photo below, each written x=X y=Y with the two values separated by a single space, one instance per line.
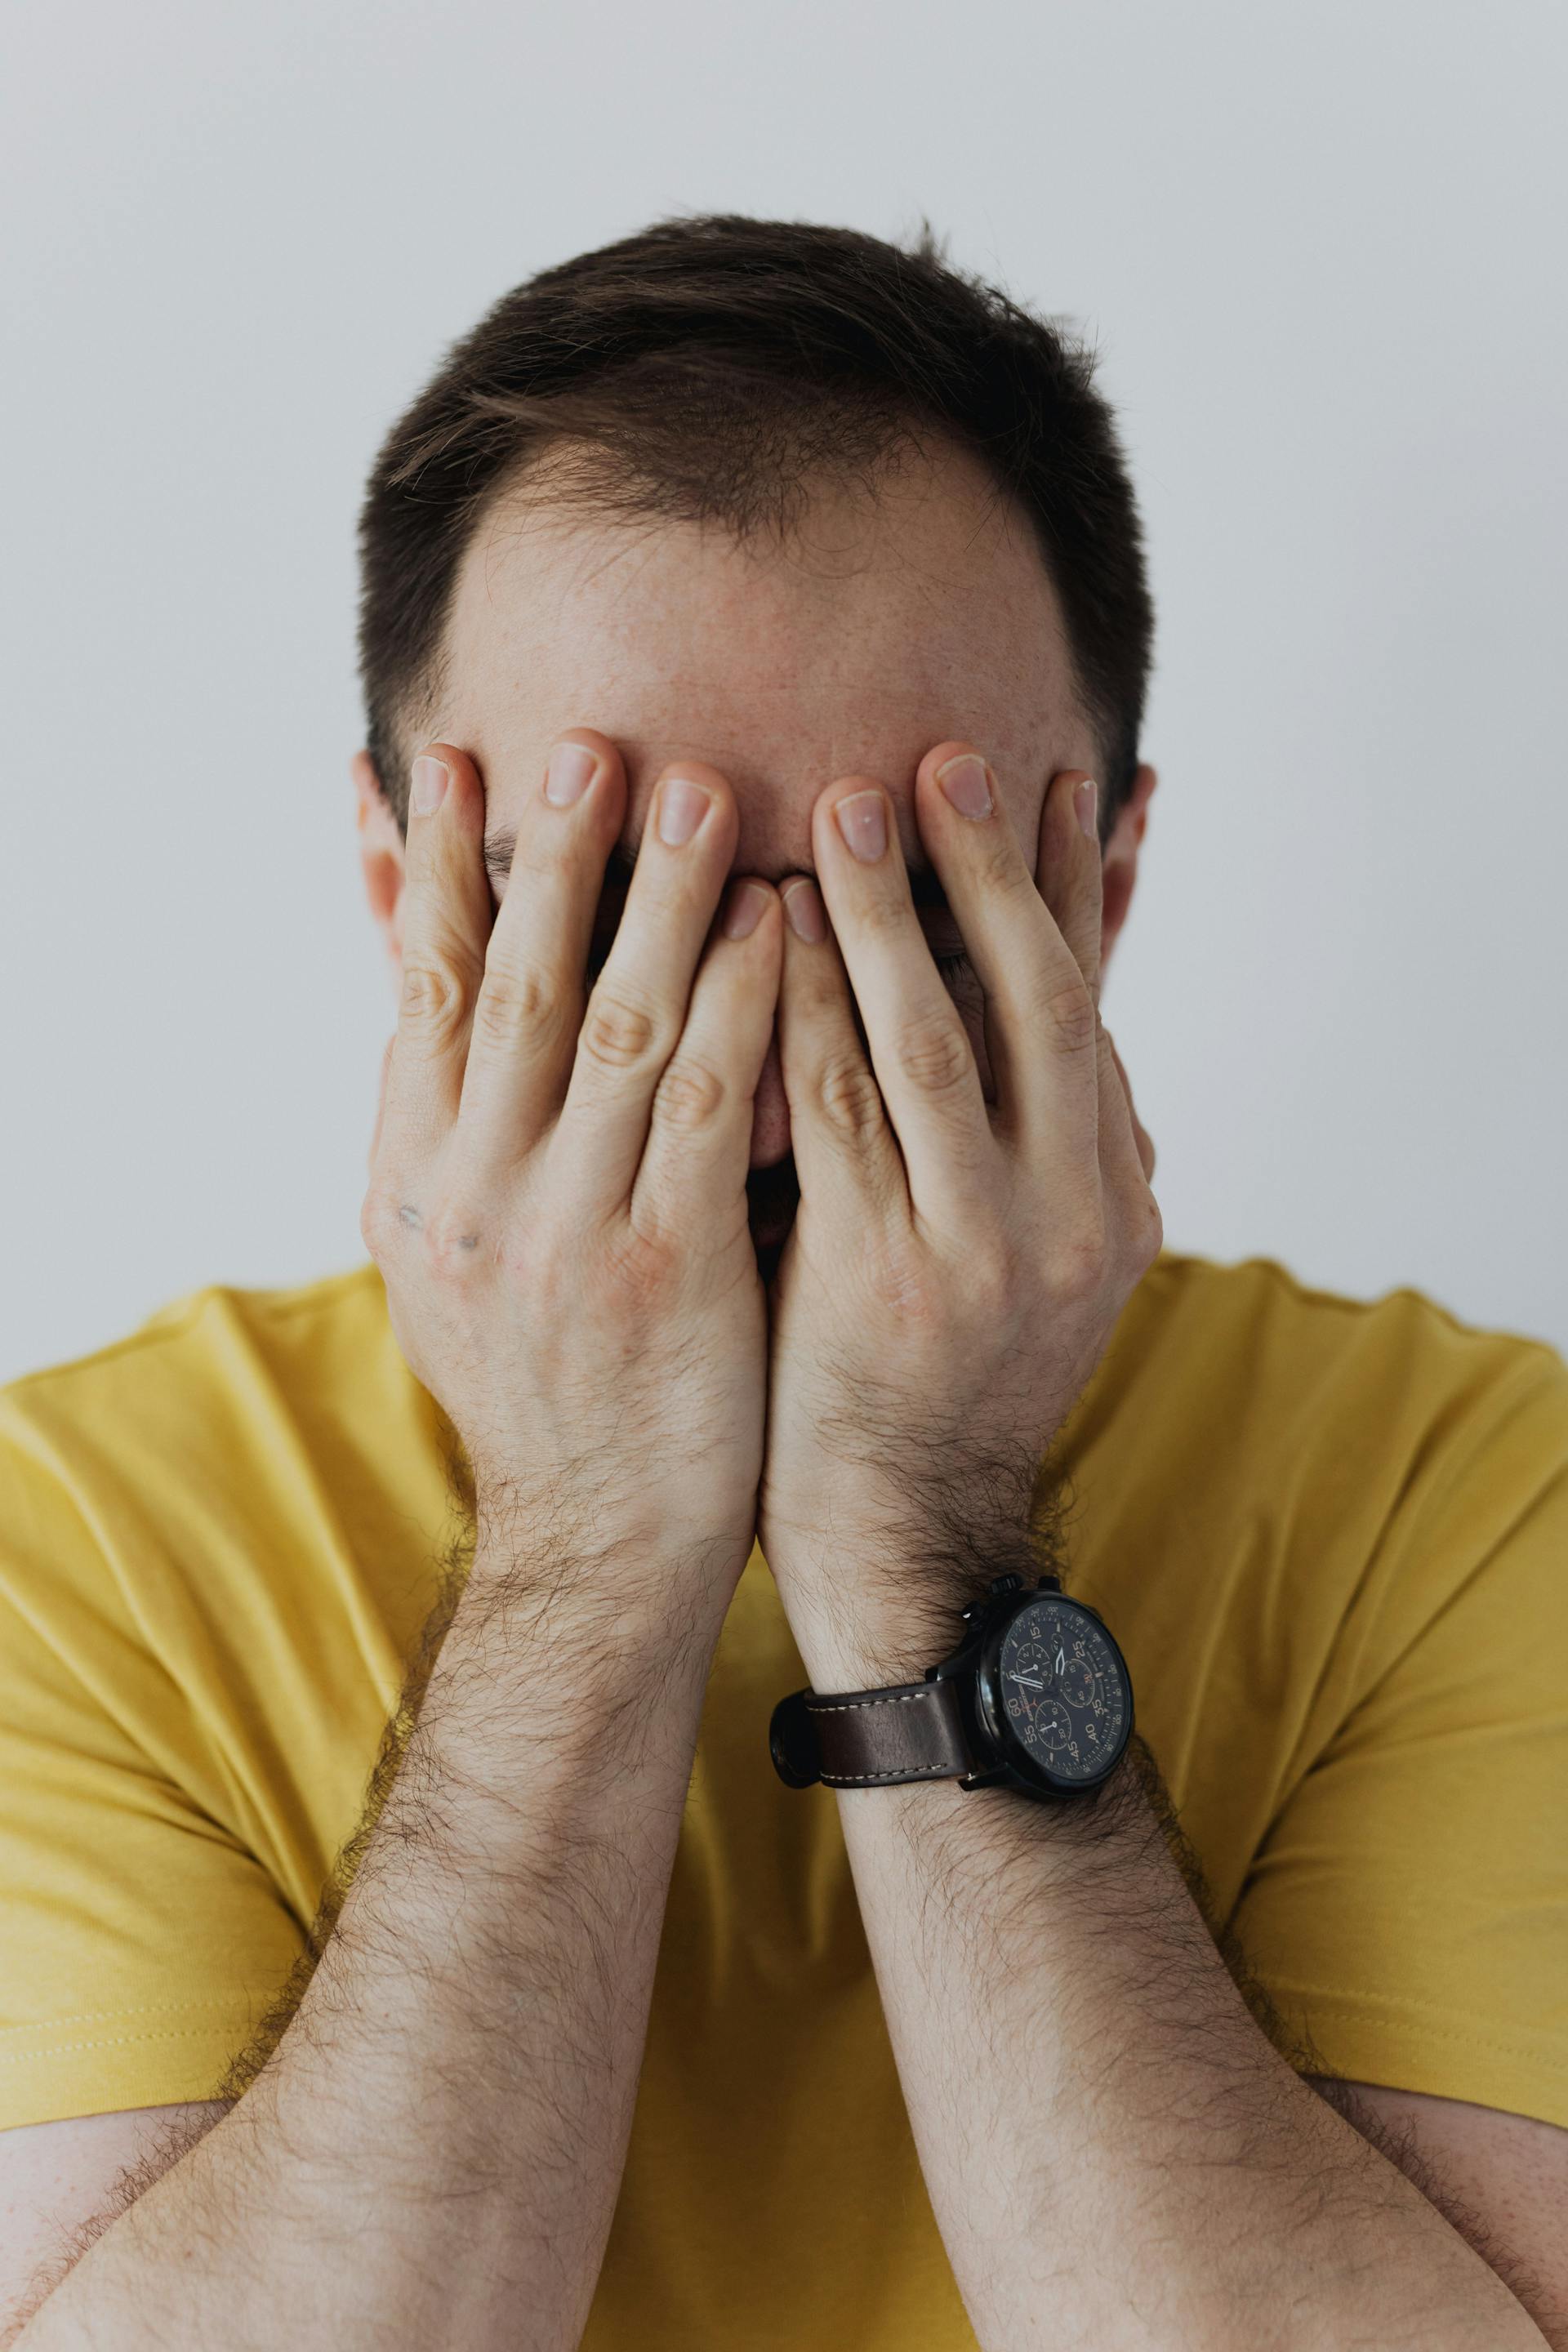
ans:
x=939 y=1710
x=872 y=1698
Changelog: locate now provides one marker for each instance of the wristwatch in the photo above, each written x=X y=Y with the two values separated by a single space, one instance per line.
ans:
x=1037 y=1696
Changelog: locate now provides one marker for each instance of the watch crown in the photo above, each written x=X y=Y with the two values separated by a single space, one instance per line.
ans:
x=1006 y=1584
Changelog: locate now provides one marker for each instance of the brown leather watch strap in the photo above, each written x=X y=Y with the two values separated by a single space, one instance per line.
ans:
x=849 y=1739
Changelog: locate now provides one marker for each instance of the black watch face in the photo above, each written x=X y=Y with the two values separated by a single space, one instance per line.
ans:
x=1061 y=1690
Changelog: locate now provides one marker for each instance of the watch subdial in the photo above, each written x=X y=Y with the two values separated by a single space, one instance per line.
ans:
x=1052 y=1724
x=1026 y=1681
x=1037 y=1716
x=1076 y=1682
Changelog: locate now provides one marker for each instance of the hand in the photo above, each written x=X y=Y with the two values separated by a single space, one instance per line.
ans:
x=956 y=1266
x=557 y=1201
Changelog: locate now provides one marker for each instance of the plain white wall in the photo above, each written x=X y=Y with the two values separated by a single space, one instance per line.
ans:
x=1319 y=250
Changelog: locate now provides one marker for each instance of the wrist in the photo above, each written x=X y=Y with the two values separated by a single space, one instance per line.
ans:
x=1029 y=1692
x=634 y=1577
x=874 y=1617
x=584 y=1653
x=863 y=1657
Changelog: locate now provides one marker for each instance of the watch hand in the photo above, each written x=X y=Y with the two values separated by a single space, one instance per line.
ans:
x=1027 y=1680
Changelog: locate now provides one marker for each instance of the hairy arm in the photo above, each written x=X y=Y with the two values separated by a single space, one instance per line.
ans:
x=434 y=2145
x=557 y=1204
x=1117 y=2153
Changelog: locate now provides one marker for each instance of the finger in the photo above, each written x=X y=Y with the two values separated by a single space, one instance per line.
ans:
x=846 y=1154
x=919 y=1049
x=638 y=1008
x=530 y=1005
x=693 y=1180
x=1071 y=875
x=1140 y=1136
x=447 y=919
x=1068 y=869
x=1039 y=1014
x=1131 y=1209
x=381 y=1099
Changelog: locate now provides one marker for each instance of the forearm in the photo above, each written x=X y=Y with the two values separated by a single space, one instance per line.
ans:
x=1116 y=2155
x=434 y=2148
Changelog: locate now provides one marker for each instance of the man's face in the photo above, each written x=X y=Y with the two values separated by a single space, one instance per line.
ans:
x=884 y=626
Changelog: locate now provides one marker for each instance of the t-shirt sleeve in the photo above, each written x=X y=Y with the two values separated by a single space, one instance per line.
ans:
x=1409 y=1910
x=140 y=1944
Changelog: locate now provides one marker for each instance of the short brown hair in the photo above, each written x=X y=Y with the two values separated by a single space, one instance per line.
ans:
x=713 y=367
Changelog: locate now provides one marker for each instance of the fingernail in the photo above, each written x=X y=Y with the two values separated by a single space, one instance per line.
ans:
x=802 y=906
x=430 y=781
x=570 y=773
x=1084 y=797
x=745 y=910
x=862 y=822
x=966 y=784
x=682 y=805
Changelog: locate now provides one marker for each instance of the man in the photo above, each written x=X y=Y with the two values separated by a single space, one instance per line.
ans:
x=765 y=1271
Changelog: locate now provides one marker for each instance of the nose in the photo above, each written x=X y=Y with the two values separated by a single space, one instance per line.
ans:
x=770 y=1113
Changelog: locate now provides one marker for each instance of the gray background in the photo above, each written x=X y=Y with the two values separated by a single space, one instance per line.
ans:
x=1319 y=251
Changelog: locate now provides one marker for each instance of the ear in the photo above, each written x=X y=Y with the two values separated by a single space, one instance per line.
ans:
x=381 y=855
x=1120 y=864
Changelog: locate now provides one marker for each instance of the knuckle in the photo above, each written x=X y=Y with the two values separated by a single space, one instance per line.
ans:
x=1070 y=1014
x=885 y=911
x=934 y=1053
x=1082 y=1259
x=434 y=999
x=452 y=1234
x=850 y=1098
x=1149 y=1232
x=517 y=1002
x=1001 y=871
x=990 y=1276
x=644 y=1268
x=691 y=1096
x=903 y=1283
x=617 y=1033
x=540 y=1257
x=379 y=1221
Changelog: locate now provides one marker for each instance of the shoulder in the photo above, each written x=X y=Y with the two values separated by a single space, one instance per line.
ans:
x=1247 y=1296
x=1317 y=1476
x=206 y=1378
x=235 y=1438
x=197 y=1335
x=1272 y=1358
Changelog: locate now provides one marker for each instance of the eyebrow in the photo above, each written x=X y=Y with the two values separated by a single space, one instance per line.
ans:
x=925 y=885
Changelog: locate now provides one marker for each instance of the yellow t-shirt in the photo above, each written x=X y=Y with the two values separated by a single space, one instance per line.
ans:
x=1331 y=1535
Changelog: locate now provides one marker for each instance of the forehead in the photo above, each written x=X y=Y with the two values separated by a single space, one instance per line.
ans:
x=883 y=624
